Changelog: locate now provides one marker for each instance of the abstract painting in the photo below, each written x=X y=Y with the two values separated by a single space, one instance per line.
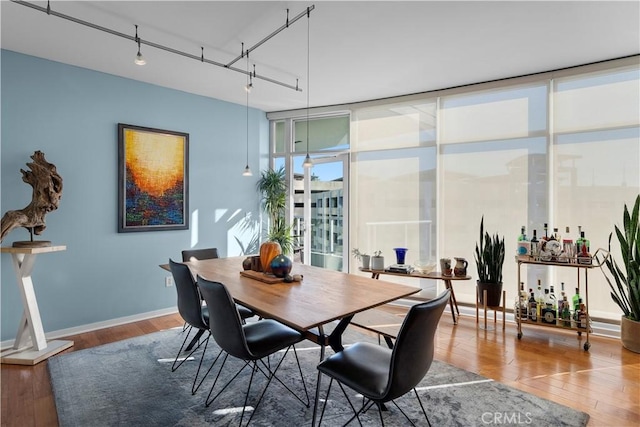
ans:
x=153 y=176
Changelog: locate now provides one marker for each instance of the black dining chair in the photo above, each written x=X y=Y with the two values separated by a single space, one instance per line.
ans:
x=250 y=343
x=212 y=253
x=195 y=315
x=206 y=253
x=381 y=374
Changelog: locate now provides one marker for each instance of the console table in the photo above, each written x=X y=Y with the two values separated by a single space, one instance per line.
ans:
x=24 y=352
x=435 y=275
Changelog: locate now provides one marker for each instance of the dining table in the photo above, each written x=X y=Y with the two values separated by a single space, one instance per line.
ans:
x=321 y=298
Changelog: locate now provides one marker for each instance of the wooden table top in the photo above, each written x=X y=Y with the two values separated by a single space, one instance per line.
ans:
x=322 y=297
x=432 y=275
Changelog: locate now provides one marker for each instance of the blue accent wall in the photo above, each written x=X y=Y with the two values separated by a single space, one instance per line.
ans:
x=71 y=114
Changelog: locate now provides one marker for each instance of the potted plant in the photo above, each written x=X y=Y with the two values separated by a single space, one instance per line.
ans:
x=489 y=258
x=377 y=261
x=360 y=256
x=626 y=292
x=273 y=189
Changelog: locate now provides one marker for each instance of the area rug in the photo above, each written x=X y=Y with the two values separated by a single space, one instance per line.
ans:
x=130 y=383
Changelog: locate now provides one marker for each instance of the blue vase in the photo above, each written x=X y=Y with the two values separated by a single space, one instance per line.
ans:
x=281 y=266
x=400 y=253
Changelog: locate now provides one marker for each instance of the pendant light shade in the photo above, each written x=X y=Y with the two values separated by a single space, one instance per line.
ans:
x=139 y=58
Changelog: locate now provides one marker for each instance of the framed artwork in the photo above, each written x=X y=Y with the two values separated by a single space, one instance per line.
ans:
x=153 y=179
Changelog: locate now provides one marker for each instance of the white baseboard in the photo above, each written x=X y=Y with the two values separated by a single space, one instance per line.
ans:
x=99 y=325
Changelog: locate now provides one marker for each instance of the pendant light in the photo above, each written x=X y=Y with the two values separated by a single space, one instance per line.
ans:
x=307 y=160
x=247 y=169
x=139 y=58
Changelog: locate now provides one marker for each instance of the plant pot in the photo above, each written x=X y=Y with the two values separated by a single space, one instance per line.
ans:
x=494 y=293
x=630 y=334
x=377 y=263
x=366 y=261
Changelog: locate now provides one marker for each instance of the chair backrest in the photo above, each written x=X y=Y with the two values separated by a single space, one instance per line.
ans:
x=207 y=253
x=224 y=319
x=189 y=302
x=413 y=351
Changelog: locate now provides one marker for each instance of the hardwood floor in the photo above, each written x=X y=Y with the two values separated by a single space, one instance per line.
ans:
x=604 y=382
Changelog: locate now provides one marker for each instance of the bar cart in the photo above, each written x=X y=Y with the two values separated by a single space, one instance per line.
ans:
x=525 y=259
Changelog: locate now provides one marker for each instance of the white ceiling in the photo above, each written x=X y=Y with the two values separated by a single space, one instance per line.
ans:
x=359 y=50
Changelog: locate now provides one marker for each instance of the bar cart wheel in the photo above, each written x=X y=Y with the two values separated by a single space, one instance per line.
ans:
x=586 y=346
x=519 y=335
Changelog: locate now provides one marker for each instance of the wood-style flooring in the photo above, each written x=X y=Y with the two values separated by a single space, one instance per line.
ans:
x=604 y=382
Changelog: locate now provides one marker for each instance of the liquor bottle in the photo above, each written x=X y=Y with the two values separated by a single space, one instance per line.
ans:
x=532 y=307
x=561 y=300
x=567 y=246
x=584 y=257
x=546 y=234
x=559 y=311
x=555 y=235
x=579 y=240
x=582 y=316
x=547 y=312
x=521 y=302
x=585 y=241
x=566 y=313
x=539 y=300
x=552 y=298
x=534 y=245
x=575 y=301
x=523 y=245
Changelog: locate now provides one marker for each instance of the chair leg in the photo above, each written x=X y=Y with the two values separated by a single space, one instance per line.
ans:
x=195 y=340
x=366 y=405
x=273 y=373
x=422 y=407
x=195 y=387
x=317 y=399
x=175 y=364
x=254 y=368
x=208 y=401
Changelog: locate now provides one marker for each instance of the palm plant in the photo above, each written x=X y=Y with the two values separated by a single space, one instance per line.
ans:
x=626 y=292
x=273 y=188
x=489 y=256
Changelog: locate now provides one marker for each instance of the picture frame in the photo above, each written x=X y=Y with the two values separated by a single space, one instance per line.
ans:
x=153 y=179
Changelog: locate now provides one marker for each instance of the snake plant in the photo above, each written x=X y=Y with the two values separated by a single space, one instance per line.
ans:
x=626 y=292
x=489 y=256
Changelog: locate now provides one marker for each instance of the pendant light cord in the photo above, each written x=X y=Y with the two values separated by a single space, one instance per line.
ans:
x=307 y=160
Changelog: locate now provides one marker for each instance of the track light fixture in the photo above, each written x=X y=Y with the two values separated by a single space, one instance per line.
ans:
x=139 y=58
x=307 y=160
x=249 y=85
x=247 y=169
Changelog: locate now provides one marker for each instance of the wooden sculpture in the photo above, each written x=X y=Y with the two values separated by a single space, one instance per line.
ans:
x=47 y=191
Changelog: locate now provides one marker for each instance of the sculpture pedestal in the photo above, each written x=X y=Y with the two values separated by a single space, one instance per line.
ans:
x=38 y=349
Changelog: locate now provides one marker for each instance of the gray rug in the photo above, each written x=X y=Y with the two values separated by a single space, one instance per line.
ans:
x=125 y=384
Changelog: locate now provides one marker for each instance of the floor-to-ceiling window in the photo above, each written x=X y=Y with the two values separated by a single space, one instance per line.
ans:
x=595 y=162
x=561 y=148
x=393 y=181
x=493 y=146
x=319 y=230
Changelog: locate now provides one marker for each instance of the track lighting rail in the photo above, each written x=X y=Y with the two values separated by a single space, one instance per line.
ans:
x=282 y=28
x=199 y=58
